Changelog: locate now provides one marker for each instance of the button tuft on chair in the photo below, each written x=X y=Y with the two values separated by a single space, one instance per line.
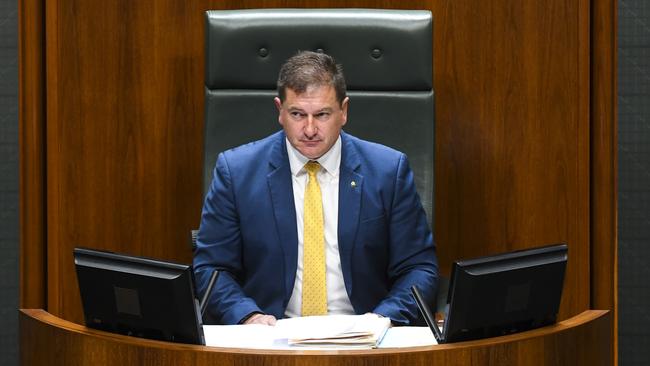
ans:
x=263 y=52
x=376 y=53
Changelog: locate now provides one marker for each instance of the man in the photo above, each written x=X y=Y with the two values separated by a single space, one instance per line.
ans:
x=311 y=220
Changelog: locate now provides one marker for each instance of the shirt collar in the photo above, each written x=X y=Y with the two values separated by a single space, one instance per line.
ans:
x=330 y=161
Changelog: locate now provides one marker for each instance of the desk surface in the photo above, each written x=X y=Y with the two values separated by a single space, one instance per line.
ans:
x=48 y=340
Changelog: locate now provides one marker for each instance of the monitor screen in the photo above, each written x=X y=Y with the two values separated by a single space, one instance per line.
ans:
x=138 y=296
x=505 y=293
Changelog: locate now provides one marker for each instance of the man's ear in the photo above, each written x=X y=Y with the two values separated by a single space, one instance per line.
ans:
x=344 y=109
x=278 y=105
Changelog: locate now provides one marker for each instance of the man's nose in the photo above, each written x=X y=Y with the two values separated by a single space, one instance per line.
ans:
x=310 y=126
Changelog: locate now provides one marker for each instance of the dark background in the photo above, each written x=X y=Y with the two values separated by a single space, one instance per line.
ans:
x=8 y=182
x=633 y=181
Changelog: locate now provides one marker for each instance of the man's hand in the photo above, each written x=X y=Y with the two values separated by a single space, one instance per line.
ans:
x=261 y=319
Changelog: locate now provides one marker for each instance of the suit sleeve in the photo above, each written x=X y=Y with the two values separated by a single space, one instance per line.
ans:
x=412 y=253
x=219 y=247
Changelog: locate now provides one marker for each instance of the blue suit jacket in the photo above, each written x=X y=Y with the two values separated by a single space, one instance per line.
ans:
x=248 y=231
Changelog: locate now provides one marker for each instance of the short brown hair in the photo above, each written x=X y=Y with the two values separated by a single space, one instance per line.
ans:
x=307 y=68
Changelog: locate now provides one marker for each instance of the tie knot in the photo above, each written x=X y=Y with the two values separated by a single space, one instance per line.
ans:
x=312 y=167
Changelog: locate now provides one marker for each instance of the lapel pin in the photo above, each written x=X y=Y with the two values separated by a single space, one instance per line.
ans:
x=353 y=184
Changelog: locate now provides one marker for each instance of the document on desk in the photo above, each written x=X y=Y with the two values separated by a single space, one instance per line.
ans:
x=323 y=332
x=354 y=331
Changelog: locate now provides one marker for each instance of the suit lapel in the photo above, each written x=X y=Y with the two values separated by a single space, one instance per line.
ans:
x=281 y=191
x=350 y=192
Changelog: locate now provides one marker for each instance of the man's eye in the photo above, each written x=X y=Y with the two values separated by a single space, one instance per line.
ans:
x=323 y=116
x=297 y=115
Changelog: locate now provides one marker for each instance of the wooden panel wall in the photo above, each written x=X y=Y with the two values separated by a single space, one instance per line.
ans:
x=124 y=132
x=604 y=138
x=31 y=98
x=124 y=125
x=512 y=154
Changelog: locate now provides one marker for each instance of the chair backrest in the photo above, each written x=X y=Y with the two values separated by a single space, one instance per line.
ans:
x=387 y=60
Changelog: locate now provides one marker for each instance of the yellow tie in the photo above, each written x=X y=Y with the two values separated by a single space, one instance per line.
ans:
x=314 y=288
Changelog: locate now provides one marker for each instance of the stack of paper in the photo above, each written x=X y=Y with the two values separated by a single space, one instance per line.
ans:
x=349 y=331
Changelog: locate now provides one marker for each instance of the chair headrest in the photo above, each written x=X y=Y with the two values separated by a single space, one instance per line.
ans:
x=381 y=50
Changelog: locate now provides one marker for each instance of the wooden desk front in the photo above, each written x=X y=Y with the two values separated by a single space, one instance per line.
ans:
x=47 y=340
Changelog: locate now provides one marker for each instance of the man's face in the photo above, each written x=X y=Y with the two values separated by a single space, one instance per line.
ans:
x=312 y=121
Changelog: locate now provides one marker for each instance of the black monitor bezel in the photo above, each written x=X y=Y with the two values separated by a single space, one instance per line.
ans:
x=551 y=259
x=98 y=270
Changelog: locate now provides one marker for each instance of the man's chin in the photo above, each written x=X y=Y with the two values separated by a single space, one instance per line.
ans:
x=312 y=156
x=311 y=152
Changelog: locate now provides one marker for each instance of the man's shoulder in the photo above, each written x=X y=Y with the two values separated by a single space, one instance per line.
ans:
x=370 y=149
x=255 y=149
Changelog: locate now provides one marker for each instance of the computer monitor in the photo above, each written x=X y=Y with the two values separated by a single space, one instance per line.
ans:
x=138 y=296
x=502 y=294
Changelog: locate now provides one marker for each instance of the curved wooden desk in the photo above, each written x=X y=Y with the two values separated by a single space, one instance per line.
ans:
x=48 y=340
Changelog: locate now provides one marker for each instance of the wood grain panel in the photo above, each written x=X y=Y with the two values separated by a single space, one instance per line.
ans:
x=124 y=132
x=511 y=135
x=604 y=152
x=581 y=340
x=125 y=124
x=31 y=100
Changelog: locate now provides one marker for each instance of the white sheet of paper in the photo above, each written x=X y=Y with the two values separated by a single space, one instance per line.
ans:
x=400 y=337
x=242 y=336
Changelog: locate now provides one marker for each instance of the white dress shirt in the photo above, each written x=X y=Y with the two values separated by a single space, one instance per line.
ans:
x=328 y=179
